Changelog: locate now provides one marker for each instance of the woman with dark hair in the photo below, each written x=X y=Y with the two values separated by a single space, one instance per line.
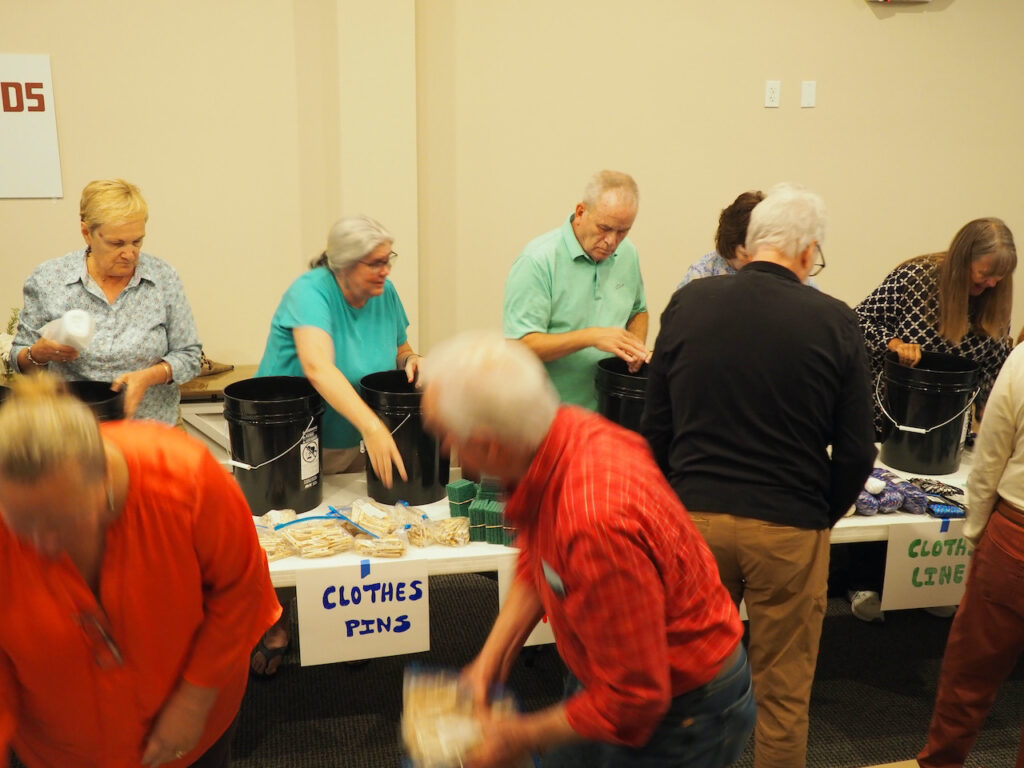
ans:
x=955 y=302
x=730 y=250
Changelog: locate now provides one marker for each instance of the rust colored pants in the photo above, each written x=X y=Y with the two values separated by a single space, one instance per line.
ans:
x=985 y=642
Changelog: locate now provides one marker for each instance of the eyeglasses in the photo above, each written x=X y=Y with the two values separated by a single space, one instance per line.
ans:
x=104 y=650
x=819 y=263
x=379 y=265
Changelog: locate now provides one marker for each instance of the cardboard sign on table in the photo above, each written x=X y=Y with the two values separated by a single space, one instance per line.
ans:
x=926 y=564
x=361 y=611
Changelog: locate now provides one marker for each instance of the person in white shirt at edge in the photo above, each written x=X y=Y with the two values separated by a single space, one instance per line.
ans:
x=987 y=634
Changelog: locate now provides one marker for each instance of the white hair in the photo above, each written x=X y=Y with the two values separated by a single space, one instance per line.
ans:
x=789 y=219
x=484 y=381
x=351 y=239
x=606 y=181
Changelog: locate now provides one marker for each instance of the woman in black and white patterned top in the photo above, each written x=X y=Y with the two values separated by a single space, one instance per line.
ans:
x=957 y=302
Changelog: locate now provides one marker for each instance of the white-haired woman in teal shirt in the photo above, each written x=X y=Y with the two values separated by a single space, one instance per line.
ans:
x=336 y=323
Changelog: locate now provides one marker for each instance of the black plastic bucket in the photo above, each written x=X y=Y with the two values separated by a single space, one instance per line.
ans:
x=105 y=403
x=397 y=402
x=928 y=411
x=620 y=394
x=274 y=428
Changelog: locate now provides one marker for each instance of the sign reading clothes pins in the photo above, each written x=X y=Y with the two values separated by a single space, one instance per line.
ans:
x=362 y=611
x=29 y=157
x=926 y=564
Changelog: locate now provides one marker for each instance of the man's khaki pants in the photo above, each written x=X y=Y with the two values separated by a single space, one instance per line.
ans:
x=781 y=572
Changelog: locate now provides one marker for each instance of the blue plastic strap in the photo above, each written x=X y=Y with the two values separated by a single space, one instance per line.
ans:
x=336 y=514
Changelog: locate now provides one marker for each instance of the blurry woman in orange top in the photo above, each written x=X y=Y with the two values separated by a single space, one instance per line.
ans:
x=132 y=587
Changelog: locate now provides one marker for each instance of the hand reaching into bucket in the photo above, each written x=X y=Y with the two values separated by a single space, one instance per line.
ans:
x=909 y=354
x=411 y=365
x=621 y=343
x=382 y=452
x=135 y=384
x=639 y=363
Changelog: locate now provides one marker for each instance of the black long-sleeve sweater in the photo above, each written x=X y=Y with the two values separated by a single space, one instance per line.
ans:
x=753 y=377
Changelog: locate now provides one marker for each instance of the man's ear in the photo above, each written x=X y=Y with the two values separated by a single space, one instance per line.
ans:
x=808 y=256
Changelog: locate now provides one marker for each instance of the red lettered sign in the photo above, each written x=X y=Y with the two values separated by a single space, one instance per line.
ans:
x=22 y=97
x=29 y=154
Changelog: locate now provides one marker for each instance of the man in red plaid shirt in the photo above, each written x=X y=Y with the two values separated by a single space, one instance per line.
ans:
x=651 y=638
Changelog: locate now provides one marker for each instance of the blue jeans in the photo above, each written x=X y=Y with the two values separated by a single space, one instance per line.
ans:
x=707 y=727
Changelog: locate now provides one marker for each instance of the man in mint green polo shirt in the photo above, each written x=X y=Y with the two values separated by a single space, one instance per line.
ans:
x=575 y=295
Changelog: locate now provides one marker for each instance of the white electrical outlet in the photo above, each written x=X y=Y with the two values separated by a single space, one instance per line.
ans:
x=808 y=93
x=771 y=92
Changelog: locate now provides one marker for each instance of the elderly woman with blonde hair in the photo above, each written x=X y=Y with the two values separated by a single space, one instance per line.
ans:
x=132 y=587
x=145 y=339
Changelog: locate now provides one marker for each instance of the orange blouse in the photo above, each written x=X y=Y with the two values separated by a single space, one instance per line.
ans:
x=185 y=592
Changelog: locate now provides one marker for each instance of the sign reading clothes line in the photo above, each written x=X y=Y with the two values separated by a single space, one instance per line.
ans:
x=926 y=564
x=29 y=156
x=363 y=610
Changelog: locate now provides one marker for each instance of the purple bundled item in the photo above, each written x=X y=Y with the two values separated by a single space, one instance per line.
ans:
x=890 y=500
x=914 y=501
x=866 y=504
x=886 y=492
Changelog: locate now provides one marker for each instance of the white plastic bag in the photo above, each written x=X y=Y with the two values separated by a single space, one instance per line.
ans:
x=75 y=329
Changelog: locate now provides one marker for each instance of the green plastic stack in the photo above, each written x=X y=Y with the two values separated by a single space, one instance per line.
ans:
x=489 y=489
x=478 y=512
x=486 y=513
x=494 y=530
x=460 y=495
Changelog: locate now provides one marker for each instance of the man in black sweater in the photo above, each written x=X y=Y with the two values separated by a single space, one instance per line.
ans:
x=754 y=377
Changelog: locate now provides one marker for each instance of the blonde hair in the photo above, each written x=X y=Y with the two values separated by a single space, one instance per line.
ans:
x=109 y=201
x=44 y=427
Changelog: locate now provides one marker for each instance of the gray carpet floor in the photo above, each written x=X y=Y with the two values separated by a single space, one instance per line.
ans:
x=870 y=704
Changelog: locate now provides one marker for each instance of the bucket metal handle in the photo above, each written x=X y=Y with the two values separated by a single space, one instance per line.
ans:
x=243 y=465
x=919 y=430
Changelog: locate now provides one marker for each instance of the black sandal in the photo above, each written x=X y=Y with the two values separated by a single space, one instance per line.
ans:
x=269 y=654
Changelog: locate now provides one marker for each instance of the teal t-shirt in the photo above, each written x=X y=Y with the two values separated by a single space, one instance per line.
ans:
x=554 y=287
x=366 y=340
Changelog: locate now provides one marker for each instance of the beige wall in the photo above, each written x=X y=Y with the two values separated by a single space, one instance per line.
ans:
x=915 y=131
x=236 y=119
x=470 y=126
x=195 y=102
